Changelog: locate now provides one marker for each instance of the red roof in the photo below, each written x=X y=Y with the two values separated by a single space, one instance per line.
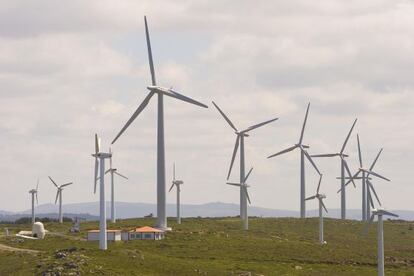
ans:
x=147 y=229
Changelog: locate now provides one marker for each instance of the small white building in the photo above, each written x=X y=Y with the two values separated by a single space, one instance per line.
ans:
x=144 y=233
x=111 y=235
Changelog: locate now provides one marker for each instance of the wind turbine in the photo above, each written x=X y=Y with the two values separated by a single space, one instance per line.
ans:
x=177 y=183
x=320 y=198
x=100 y=162
x=243 y=186
x=33 y=192
x=366 y=173
x=240 y=140
x=59 y=195
x=160 y=91
x=344 y=166
x=113 y=171
x=303 y=154
x=380 y=232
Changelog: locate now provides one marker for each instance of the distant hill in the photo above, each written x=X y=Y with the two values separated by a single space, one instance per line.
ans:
x=90 y=210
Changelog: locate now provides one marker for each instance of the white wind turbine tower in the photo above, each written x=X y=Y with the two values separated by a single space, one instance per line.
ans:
x=177 y=183
x=100 y=162
x=160 y=91
x=113 y=171
x=380 y=232
x=320 y=198
x=344 y=167
x=366 y=173
x=303 y=154
x=33 y=192
x=240 y=135
x=243 y=186
x=59 y=196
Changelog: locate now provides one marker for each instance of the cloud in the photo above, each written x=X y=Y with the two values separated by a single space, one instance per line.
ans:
x=70 y=69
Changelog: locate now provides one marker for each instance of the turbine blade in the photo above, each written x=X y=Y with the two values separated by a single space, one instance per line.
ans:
x=225 y=117
x=389 y=213
x=319 y=184
x=377 y=175
x=324 y=207
x=376 y=159
x=172 y=186
x=325 y=155
x=107 y=171
x=123 y=176
x=359 y=152
x=234 y=184
x=259 y=125
x=310 y=160
x=236 y=146
x=247 y=195
x=110 y=158
x=283 y=151
x=370 y=201
x=95 y=178
x=347 y=137
x=37 y=185
x=174 y=171
x=311 y=197
x=173 y=94
x=353 y=177
x=67 y=184
x=304 y=124
x=37 y=200
x=135 y=115
x=97 y=143
x=348 y=172
x=151 y=63
x=57 y=196
x=375 y=193
x=247 y=176
x=54 y=183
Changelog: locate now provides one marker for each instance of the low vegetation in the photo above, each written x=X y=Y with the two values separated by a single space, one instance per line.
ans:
x=214 y=246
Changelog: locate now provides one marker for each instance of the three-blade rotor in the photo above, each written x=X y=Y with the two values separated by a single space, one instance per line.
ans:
x=319 y=196
x=175 y=182
x=243 y=185
x=59 y=188
x=377 y=212
x=341 y=154
x=239 y=134
x=300 y=145
x=154 y=89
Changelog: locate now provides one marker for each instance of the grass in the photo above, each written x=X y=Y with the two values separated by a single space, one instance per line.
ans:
x=282 y=246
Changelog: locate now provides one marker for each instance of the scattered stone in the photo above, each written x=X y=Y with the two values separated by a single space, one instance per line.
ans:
x=70 y=265
x=298 y=267
x=60 y=255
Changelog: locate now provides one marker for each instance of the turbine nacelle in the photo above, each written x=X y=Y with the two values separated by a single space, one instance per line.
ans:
x=241 y=133
x=102 y=155
x=321 y=196
x=158 y=89
x=178 y=182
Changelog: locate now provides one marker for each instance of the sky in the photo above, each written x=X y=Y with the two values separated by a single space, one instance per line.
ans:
x=70 y=69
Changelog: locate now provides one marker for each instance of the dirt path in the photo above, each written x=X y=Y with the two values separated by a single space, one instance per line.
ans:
x=14 y=249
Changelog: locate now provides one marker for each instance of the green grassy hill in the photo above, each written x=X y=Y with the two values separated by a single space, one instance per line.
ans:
x=282 y=246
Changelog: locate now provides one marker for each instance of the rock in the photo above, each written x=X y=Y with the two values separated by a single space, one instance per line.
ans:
x=298 y=267
x=60 y=255
x=70 y=265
